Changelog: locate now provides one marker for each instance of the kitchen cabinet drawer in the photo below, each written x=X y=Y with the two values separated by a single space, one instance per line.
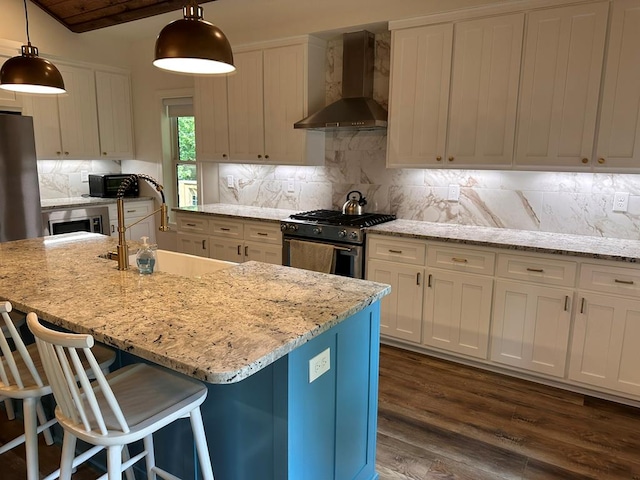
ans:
x=192 y=223
x=137 y=209
x=395 y=250
x=224 y=227
x=263 y=232
x=603 y=278
x=545 y=271
x=461 y=259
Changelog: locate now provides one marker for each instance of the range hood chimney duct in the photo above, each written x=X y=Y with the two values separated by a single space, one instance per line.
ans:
x=356 y=109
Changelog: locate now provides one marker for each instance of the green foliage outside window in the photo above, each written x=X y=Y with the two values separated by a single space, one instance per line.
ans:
x=186 y=147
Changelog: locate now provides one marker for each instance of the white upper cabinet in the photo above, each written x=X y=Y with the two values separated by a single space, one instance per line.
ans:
x=212 y=122
x=454 y=93
x=484 y=91
x=419 y=95
x=9 y=100
x=66 y=126
x=618 y=143
x=561 y=75
x=274 y=87
x=113 y=95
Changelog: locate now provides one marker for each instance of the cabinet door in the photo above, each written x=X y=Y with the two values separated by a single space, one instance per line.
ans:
x=261 y=252
x=284 y=99
x=604 y=347
x=226 y=249
x=419 y=95
x=531 y=327
x=560 y=85
x=9 y=100
x=484 y=91
x=619 y=131
x=212 y=122
x=113 y=95
x=246 y=120
x=457 y=312
x=46 y=125
x=193 y=244
x=401 y=310
x=78 y=114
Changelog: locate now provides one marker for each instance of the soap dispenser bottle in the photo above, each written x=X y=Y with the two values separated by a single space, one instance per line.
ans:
x=145 y=258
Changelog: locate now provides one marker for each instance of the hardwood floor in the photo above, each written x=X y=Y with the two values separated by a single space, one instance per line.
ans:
x=440 y=420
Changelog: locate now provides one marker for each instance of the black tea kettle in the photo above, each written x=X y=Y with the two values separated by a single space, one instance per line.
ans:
x=354 y=206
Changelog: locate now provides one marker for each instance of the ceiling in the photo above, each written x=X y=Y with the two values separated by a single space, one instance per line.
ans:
x=83 y=16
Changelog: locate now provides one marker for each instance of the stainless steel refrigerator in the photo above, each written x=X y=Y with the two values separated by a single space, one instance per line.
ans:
x=20 y=211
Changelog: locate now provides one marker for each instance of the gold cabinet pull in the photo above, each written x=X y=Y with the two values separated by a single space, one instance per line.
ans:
x=418 y=278
x=537 y=270
x=225 y=229
x=246 y=250
x=259 y=156
x=239 y=250
x=624 y=282
x=190 y=224
x=582 y=305
x=395 y=251
x=566 y=303
x=262 y=234
x=451 y=159
x=459 y=260
x=601 y=160
x=585 y=160
x=224 y=155
x=438 y=158
x=104 y=153
x=266 y=156
x=204 y=244
x=429 y=281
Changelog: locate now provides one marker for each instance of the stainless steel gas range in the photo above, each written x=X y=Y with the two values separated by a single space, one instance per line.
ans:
x=346 y=233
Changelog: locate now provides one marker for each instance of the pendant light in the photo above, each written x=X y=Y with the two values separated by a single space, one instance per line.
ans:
x=28 y=73
x=192 y=45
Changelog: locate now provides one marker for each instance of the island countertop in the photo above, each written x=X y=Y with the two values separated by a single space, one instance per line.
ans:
x=219 y=328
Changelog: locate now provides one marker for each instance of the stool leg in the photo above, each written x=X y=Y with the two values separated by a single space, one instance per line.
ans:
x=201 y=443
x=129 y=473
x=114 y=462
x=151 y=457
x=43 y=419
x=31 y=438
x=8 y=405
x=68 y=454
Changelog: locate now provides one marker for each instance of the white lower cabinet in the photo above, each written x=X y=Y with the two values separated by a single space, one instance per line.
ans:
x=606 y=335
x=401 y=310
x=457 y=307
x=134 y=219
x=193 y=244
x=531 y=327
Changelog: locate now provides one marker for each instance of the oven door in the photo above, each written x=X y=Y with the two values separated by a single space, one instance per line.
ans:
x=349 y=258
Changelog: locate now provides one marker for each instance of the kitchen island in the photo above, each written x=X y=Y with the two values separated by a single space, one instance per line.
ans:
x=255 y=333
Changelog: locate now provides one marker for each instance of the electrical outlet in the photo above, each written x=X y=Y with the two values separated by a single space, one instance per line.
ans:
x=84 y=175
x=230 y=181
x=454 y=193
x=620 y=201
x=319 y=365
x=291 y=185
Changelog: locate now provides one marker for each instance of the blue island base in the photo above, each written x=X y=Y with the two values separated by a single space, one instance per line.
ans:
x=276 y=425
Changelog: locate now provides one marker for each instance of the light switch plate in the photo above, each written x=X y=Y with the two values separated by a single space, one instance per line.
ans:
x=84 y=175
x=454 y=193
x=319 y=365
x=230 y=181
x=291 y=185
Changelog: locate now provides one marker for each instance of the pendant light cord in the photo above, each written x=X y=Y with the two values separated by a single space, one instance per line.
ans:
x=26 y=17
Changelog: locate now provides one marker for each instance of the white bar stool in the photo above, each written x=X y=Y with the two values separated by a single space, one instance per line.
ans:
x=21 y=378
x=18 y=321
x=127 y=405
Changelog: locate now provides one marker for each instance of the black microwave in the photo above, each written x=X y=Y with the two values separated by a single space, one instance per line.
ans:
x=107 y=185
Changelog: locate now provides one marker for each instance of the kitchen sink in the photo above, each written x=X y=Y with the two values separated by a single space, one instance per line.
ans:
x=183 y=264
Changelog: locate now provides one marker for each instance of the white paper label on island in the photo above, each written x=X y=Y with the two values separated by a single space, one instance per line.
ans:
x=319 y=365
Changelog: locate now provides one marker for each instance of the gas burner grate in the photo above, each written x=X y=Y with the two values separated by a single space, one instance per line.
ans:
x=336 y=217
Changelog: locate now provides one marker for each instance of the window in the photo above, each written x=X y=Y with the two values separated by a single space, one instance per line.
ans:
x=186 y=168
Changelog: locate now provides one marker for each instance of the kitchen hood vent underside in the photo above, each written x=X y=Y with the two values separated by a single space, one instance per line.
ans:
x=347 y=113
x=357 y=109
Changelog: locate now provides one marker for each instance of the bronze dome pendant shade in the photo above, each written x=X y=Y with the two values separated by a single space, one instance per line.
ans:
x=28 y=73
x=193 y=45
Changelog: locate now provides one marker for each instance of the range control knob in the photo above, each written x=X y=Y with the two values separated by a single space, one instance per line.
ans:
x=293 y=227
x=342 y=233
x=317 y=230
x=353 y=235
x=283 y=226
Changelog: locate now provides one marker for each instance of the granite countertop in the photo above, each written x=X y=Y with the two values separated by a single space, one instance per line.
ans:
x=219 y=328
x=76 y=202
x=543 y=242
x=240 y=211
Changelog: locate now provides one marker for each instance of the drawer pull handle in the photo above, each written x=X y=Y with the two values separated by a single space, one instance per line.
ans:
x=582 y=305
x=224 y=229
x=246 y=251
x=262 y=234
x=537 y=270
x=204 y=244
x=113 y=229
x=190 y=224
x=459 y=260
x=566 y=303
x=130 y=211
x=239 y=250
x=429 y=281
x=418 y=278
x=624 y=282
x=395 y=251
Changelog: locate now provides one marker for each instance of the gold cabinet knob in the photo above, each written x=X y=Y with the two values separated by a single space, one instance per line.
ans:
x=438 y=158
x=224 y=155
x=266 y=156
x=585 y=160
x=601 y=160
x=451 y=159
x=66 y=153
x=259 y=156
x=58 y=153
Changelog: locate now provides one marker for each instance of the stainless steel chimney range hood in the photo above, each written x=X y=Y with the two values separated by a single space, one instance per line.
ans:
x=356 y=109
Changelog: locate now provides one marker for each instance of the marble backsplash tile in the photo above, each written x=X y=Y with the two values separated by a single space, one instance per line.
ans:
x=63 y=178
